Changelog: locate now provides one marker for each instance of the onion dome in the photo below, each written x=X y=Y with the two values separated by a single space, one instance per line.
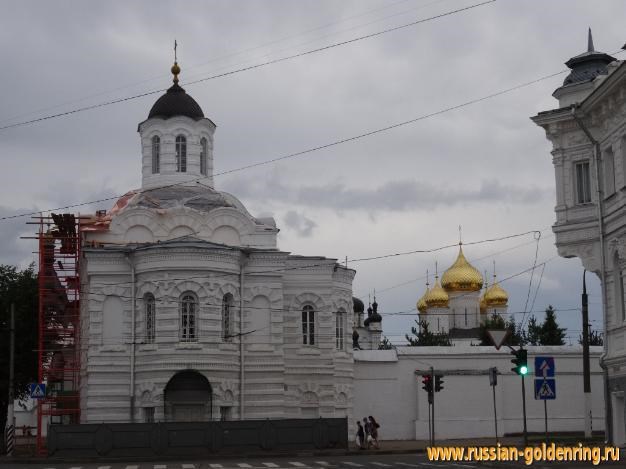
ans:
x=421 y=303
x=495 y=295
x=462 y=276
x=588 y=65
x=375 y=317
x=369 y=316
x=176 y=102
x=357 y=305
x=437 y=296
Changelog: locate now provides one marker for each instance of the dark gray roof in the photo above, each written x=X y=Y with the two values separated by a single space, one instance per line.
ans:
x=357 y=305
x=588 y=65
x=176 y=102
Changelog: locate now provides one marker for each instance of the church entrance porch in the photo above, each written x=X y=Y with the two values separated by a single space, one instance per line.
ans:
x=188 y=397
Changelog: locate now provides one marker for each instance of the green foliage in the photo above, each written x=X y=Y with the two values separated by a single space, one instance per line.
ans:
x=385 y=344
x=19 y=288
x=424 y=338
x=551 y=333
x=595 y=338
x=516 y=336
x=532 y=335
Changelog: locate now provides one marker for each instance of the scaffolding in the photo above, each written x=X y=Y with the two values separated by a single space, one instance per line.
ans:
x=59 y=321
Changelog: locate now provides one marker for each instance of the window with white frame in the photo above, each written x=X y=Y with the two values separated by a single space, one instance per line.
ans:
x=203 y=156
x=181 y=154
x=150 y=317
x=340 y=328
x=156 y=154
x=188 y=310
x=583 y=182
x=609 y=172
x=308 y=325
x=227 y=320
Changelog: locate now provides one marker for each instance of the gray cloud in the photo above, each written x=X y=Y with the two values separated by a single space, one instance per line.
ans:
x=302 y=225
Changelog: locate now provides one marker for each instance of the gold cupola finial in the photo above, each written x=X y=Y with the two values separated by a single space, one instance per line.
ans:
x=175 y=68
x=496 y=296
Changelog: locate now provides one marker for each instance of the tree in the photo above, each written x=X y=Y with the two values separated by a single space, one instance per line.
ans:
x=424 y=338
x=532 y=335
x=19 y=288
x=385 y=344
x=497 y=322
x=551 y=333
x=595 y=338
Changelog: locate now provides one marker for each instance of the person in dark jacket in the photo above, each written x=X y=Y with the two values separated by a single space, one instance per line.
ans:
x=360 y=435
x=373 y=427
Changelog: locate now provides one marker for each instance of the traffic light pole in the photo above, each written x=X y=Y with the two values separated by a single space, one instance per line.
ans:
x=524 y=411
x=432 y=380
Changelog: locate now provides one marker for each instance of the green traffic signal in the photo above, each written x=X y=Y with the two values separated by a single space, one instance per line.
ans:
x=520 y=361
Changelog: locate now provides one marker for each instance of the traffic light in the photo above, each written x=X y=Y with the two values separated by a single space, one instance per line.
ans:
x=520 y=361
x=427 y=383
x=438 y=383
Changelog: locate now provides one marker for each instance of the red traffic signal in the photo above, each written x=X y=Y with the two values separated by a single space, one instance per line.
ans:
x=427 y=383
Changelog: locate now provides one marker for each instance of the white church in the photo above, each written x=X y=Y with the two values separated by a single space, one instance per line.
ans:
x=193 y=312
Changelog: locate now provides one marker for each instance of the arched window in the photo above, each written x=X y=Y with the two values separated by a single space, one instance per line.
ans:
x=203 y=156
x=227 y=320
x=150 y=316
x=188 y=309
x=156 y=154
x=340 y=327
x=181 y=154
x=618 y=279
x=308 y=325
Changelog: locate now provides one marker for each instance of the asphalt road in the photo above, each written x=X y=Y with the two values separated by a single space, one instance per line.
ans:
x=365 y=461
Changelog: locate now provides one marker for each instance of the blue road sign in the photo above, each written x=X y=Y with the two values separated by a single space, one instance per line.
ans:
x=37 y=390
x=544 y=367
x=545 y=389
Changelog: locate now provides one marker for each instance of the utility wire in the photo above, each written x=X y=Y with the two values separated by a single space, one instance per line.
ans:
x=251 y=67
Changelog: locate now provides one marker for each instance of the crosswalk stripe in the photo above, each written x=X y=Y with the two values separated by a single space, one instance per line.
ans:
x=132 y=467
x=297 y=464
x=77 y=467
x=270 y=464
x=352 y=464
x=189 y=466
x=215 y=466
x=160 y=466
x=381 y=464
x=104 y=467
x=243 y=464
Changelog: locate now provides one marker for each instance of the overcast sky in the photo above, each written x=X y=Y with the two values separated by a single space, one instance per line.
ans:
x=486 y=167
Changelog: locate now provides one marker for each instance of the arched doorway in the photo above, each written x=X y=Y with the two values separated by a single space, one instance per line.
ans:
x=188 y=398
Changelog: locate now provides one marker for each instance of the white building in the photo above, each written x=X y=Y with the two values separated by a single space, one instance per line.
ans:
x=588 y=134
x=191 y=311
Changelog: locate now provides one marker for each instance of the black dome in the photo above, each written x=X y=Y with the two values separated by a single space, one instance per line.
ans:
x=176 y=102
x=357 y=305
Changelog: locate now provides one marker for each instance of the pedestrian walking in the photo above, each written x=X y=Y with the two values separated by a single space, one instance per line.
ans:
x=360 y=435
x=368 y=435
x=374 y=426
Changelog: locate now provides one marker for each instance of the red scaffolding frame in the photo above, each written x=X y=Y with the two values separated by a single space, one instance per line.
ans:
x=59 y=321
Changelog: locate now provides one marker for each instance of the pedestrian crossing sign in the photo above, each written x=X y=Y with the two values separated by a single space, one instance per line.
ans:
x=37 y=390
x=545 y=389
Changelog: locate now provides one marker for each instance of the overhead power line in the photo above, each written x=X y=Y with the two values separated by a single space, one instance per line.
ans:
x=250 y=67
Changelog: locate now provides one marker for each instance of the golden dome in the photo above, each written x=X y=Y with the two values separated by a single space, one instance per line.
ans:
x=462 y=276
x=421 y=303
x=175 y=71
x=495 y=295
x=436 y=297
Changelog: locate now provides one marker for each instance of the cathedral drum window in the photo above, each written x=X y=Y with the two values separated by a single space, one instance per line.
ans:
x=227 y=320
x=340 y=327
x=156 y=154
x=203 y=156
x=150 y=317
x=308 y=325
x=181 y=154
x=188 y=310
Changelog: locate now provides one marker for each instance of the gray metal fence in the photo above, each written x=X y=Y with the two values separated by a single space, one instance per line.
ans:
x=195 y=438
